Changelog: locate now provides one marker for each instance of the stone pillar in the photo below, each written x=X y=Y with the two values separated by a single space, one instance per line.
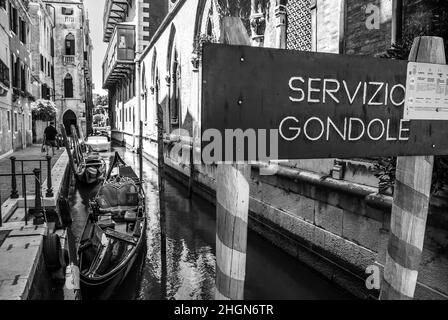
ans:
x=257 y=23
x=280 y=24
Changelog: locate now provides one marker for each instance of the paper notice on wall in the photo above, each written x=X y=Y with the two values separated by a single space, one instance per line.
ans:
x=426 y=92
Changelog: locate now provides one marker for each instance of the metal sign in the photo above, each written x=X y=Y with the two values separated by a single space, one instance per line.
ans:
x=302 y=105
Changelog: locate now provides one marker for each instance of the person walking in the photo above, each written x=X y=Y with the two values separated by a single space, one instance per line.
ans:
x=50 y=134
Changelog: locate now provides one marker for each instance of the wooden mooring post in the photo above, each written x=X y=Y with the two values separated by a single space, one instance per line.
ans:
x=232 y=203
x=140 y=153
x=67 y=147
x=14 y=192
x=411 y=202
x=1 y=217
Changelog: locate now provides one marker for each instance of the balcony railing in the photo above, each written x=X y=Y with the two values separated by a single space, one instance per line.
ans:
x=69 y=19
x=120 y=55
x=69 y=60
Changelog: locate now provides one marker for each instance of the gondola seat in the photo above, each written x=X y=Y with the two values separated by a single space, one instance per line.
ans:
x=117 y=199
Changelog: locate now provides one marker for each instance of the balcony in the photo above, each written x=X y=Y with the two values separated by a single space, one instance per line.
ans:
x=120 y=55
x=68 y=60
x=115 y=12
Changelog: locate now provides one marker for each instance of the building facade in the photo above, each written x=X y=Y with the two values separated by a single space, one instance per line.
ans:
x=42 y=48
x=320 y=220
x=128 y=27
x=5 y=83
x=20 y=65
x=42 y=59
x=72 y=64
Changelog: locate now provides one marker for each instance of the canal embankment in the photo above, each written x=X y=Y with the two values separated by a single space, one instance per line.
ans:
x=23 y=269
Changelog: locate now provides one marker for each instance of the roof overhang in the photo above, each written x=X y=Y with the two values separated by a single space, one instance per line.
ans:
x=115 y=11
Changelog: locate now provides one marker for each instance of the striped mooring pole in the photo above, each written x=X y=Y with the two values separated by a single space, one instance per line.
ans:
x=411 y=202
x=232 y=202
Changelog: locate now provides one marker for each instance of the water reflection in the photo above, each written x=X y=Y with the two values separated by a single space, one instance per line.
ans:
x=271 y=274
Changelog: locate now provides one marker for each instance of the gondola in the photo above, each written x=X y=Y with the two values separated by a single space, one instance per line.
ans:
x=99 y=141
x=91 y=169
x=114 y=234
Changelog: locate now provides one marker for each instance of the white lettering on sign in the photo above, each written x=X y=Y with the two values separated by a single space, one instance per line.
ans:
x=352 y=129
x=426 y=92
x=369 y=93
x=318 y=90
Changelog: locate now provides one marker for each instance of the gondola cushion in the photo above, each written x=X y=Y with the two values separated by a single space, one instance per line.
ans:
x=116 y=198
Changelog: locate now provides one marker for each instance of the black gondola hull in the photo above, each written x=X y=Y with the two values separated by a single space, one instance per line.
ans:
x=105 y=288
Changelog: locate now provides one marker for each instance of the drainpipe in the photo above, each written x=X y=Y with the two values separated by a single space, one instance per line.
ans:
x=397 y=21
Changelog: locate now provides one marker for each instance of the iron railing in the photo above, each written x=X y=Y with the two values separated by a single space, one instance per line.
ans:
x=14 y=161
x=37 y=192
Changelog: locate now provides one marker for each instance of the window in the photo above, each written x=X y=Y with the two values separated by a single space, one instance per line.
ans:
x=45 y=92
x=16 y=127
x=15 y=71
x=52 y=46
x=3 y=5
x=8 y=114
x=23 y=31
x=1 y=121
x=67 y=11
x=13 y=18
x=4 y=74
x=70 y=45
x=23 y=78
x=175 y=94
x=68 y=86
x=30 y=122
x=41 y=63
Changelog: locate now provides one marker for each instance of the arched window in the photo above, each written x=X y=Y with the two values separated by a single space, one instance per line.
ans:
x=68 y=86
x=209 y=27
x=145 y=93
x=70 y=45
x=175 y=89
x=154 y=85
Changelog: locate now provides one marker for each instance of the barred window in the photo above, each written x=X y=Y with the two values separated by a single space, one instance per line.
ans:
x=4 y=74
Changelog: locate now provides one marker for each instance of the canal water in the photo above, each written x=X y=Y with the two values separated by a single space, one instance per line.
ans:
x=190 y=262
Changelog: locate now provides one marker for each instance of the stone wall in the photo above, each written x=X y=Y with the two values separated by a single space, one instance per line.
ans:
x=367 y=40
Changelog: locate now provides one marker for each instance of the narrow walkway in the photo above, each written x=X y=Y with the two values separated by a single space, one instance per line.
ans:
x=31 y=153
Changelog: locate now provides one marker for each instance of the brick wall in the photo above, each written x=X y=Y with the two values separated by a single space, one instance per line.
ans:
x=359 y=39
